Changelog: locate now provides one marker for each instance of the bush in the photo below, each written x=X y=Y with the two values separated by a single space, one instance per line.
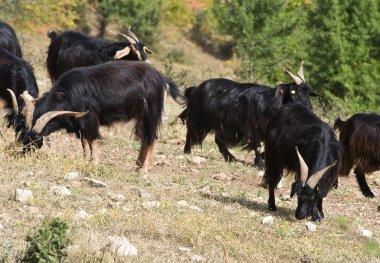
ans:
x=49 y=244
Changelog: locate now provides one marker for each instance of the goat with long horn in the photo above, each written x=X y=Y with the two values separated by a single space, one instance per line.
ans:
x=300 y=142
x=87 y=97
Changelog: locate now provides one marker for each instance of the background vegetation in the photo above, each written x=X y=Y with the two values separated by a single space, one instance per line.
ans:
x=338 y=40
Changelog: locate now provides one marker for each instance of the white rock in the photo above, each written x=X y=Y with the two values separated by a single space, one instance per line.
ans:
x=196 y=208
x=60 y=190
x=219 y=176
x=280 y=184
x=71 y=176
x=260 y=173
x=205 y=189
x=102 y=211
x=185 y=249
x=310 y=226
x=116 y=197
x=180 y=157
x=82 y=214
x=95 y=182
x=151 y=204
x=144 y=194
x=197 y=258
x=182 y=203
x=366 y=233
x=198 y=159
x=268 y=220
x=23 y=195
x=121 y=246
x=1 y=226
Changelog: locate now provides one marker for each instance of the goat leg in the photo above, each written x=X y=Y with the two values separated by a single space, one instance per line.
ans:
x=360 y=177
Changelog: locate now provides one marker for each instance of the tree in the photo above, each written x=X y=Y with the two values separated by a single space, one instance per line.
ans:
x=343 y=53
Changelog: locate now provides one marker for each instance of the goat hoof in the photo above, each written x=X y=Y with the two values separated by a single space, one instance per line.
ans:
x=316 y=217
x=369 y=195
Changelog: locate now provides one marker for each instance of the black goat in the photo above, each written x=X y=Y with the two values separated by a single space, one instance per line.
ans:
x=16 y=76
x=360 y=138
x=8 y=39
x=293 y=132
x=101 y=95
x=72 y=49
x=238 y=113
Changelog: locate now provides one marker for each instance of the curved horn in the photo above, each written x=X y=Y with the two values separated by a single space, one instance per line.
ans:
x=300 y=72
x=130 y=39
x=131 y=34
x=28 y=109
x=314 y=179
x=147 y=50
x=45 y=118
x=296 y=79
x=304 y=170
x=14 y=101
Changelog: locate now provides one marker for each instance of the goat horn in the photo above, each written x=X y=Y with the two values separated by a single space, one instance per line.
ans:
x=45 y=118
x=314 y=179
x=28 y=111
x=130 y=39
x=131 y=34
x=296 y=79
x=14 y=101
x=300 y=72
x=304 y=170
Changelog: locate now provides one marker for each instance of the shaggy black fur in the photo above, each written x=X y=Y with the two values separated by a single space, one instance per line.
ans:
x=360 y=137
x=8 y=39
x=296 y=125
x=238 y=113
x=72 y=49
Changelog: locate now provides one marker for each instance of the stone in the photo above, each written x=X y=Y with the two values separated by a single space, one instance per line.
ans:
x=60 y=190
x=219 y=176
x=267 y=220
x=182 y=203
x=144 y=194
x=185 y=249
x=196 y=208
x=121 y=246
x=23 y=195
x=151 y=204
x=261 y=173
x=198 y=160
x=366 y=233
x=180 y=157
x=225 y=194
x=197 y=258
x=94 y=182
x=116 y=197
x=71 y=176
x=310 y=226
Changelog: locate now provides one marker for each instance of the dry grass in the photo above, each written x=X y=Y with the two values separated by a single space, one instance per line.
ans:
x=228 y=230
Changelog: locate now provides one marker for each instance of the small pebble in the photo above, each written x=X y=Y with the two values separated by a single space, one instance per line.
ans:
x=268 y=220
x=182 y=203
x=197 y=258
x=196 y=208
x=151 y=204
x=366 y=233
x=310 y=226
x=71 y=176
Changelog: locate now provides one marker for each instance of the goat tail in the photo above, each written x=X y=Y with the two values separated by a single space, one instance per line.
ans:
x=52 y=35
x=184 y=114
x=174 y=92
x=338 y=123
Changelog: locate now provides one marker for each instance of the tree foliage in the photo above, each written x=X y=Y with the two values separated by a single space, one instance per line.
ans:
x=339 y=41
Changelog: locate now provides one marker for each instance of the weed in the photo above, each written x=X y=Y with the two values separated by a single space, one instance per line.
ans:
x=372 y=248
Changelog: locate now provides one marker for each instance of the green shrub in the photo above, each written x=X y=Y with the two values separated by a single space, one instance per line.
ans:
x=49 y=244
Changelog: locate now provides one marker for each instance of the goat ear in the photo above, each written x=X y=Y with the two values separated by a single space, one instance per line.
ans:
x=279 y=89
x=122 y=53
x=147 y=50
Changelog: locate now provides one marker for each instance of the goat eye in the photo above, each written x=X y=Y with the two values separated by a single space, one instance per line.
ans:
x=293 y=92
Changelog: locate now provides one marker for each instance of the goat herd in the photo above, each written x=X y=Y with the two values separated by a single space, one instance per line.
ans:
x=98 y=82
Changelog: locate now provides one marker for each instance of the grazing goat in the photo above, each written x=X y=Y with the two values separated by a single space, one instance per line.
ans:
x=72 y=49
x=8 y=39
x=16 y=76
x=298 y=141
x=86 y=97
x=237 y=113
x=360 y=138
